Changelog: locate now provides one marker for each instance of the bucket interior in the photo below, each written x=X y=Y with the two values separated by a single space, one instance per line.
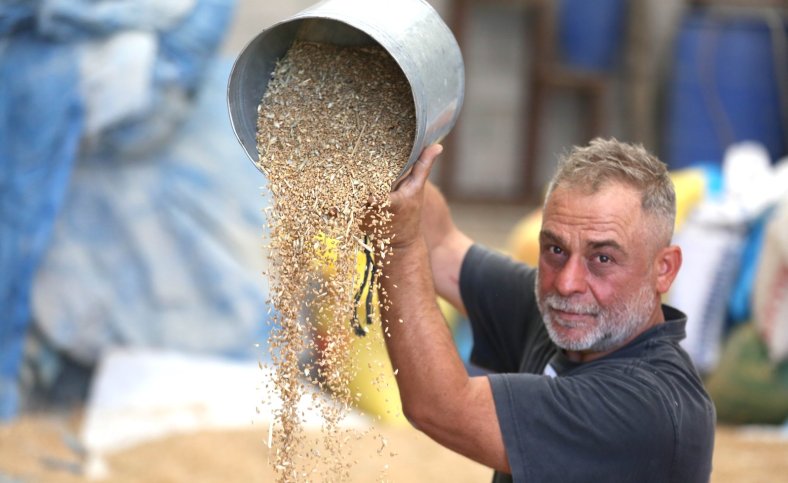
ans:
x=252 y=70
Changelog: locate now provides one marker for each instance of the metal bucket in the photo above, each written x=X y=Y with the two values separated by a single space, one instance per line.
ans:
x=411 y=31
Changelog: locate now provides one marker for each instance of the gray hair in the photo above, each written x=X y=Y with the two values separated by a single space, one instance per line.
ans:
x=609 y=160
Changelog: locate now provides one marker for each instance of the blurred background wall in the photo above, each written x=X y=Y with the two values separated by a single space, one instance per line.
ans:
x=685 y=78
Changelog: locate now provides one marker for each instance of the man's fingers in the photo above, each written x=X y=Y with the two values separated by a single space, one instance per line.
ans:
x=421 y=169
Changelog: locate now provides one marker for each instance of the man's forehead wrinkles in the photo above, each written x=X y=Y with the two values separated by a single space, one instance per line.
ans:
x=592 y=232
x=566 y=217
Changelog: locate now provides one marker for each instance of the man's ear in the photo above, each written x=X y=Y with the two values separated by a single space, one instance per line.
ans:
x=666 y=267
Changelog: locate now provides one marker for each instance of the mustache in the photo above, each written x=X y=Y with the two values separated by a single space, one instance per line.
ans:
x=565 y=304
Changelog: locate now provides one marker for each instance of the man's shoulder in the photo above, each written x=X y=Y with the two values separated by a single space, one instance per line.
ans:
x=657 y=362
x=624 y=406
x=662 y=387
x=480 y=256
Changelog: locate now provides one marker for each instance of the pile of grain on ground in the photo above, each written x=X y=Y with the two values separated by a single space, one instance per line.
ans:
x=41 y=448
x=335 y=129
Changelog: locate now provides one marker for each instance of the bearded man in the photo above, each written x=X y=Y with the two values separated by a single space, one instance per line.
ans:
x=587 y=381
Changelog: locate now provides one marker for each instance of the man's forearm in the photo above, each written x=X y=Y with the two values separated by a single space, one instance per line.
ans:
x=419 y=342
x=437 y=395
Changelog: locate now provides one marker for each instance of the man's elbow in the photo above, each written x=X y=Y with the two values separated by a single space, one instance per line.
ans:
x=417 y=414
x=425 y=416
x=429 y=417
x=432 y=420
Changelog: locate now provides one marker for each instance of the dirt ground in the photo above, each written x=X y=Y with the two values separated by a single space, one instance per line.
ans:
x=43 y=449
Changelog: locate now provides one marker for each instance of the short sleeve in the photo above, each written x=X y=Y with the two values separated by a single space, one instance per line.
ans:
x=498 y=295
x=583 y=428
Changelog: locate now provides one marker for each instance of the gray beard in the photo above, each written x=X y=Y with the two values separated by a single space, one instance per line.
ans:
x=614 y=326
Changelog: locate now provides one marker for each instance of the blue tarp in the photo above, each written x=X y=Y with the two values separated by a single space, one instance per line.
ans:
x=46 y=84
x=162 y=252
x=40 y=128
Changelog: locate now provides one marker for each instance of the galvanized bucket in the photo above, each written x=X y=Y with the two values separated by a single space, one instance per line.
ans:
x=411 y=31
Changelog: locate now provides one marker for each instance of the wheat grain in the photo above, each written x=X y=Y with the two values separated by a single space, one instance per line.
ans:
x=335 y=129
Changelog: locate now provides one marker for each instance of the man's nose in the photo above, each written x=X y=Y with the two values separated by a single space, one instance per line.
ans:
x=571 y=278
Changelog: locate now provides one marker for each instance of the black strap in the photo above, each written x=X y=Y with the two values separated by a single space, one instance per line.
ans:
x=368 y=282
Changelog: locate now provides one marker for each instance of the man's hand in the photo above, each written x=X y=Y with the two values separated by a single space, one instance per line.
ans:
x=407 y=200
x=420 y=211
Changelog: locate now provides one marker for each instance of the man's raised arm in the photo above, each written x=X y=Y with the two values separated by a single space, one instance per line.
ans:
x=446 y=245
x=437 y=395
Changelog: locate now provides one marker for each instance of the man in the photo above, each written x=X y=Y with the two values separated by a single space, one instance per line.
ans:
x=588 y=382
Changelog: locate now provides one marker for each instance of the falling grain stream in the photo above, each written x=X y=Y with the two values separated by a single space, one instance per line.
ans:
x=335 y=129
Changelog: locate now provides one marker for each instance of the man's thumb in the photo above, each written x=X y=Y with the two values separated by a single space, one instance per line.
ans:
x=423 y=166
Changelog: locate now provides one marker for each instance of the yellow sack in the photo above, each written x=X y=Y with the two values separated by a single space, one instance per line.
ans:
x=373 y=387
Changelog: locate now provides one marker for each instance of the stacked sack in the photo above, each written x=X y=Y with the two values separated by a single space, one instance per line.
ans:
x=750 y=386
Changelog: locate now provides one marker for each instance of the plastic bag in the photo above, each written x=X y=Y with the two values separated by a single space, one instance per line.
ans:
x=770 y=299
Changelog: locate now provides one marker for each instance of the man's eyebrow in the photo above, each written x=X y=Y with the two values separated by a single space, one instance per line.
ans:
x=549 y=236
x=597 y=244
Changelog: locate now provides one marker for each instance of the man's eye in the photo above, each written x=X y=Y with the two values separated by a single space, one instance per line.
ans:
x=604 y=259
x=556 y=250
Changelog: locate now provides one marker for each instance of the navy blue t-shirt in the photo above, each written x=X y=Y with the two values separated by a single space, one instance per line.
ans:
x=639 y=414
